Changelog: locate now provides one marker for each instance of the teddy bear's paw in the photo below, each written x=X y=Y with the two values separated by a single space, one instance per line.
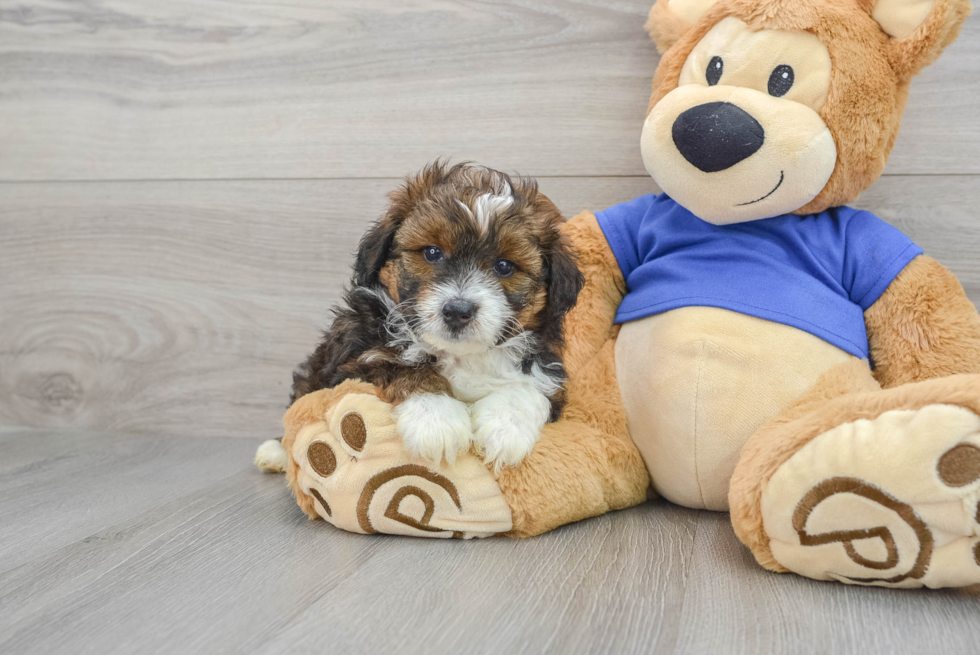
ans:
x=362 y=478
x=893 y=501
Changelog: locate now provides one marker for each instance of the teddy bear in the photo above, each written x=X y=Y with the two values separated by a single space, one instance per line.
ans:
x=744 y=341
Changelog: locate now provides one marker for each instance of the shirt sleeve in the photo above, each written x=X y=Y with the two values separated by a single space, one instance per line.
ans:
x=874 y=254
x=621 y=226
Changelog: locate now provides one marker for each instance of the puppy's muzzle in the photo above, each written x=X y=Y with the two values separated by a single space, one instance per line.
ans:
x=717 y=135
x=457 y=313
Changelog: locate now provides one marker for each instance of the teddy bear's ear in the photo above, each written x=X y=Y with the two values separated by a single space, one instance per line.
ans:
x=919 y=30
x=670 y=19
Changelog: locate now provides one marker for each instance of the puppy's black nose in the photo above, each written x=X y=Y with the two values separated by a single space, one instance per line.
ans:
x=458 y=312
x=717 y=135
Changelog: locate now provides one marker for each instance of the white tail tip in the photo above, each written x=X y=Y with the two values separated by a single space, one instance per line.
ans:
x=271 y=456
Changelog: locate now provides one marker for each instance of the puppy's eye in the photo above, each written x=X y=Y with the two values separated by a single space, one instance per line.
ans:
x=432 y=254
x=781 y=80
x=715 y=68
x=504 y=268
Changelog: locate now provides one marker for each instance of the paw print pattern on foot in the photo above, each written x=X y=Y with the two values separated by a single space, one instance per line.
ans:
x=355 y=468
x=889 y=501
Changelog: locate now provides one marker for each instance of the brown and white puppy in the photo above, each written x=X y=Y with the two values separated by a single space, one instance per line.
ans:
x=455 y=312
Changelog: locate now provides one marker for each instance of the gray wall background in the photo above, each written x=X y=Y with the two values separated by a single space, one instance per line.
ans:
x=182 y=183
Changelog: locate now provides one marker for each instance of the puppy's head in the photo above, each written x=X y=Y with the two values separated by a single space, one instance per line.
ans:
x=472 y=258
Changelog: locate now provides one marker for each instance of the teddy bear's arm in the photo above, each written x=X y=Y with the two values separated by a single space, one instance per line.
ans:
x=923 y=326
x=589 y=325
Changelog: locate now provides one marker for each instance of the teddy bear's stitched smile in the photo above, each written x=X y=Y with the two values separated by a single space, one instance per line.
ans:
x=782 y=176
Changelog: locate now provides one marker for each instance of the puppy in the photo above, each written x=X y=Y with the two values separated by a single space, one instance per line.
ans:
x=455 y=312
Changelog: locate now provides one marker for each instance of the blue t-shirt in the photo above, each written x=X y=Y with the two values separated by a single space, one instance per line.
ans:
x=817 y=273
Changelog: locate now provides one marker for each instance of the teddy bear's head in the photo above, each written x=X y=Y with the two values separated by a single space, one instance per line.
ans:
x=767 y=107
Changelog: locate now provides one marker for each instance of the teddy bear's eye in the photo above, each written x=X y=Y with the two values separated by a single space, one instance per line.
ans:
x=781 y=80
x=715 y=68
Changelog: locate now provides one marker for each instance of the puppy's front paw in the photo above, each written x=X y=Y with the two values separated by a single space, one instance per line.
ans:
x=434 y=426
x=507 y=425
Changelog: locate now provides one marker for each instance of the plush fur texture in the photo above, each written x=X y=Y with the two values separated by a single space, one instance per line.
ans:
x=923 y=327
x=665 y=26
x=867 y=65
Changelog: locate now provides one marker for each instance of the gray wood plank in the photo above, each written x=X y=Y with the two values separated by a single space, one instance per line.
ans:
x=231 y=565
x=60 y=487
x=235 y=566
x=182 y=307
x=133 y=89
x=741 y=608
x=614 y=584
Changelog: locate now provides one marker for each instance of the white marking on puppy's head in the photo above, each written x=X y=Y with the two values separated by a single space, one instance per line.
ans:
x=489 y=205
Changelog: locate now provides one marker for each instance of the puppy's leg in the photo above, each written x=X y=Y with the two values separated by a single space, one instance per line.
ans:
x=507 y=423
x=434 y=426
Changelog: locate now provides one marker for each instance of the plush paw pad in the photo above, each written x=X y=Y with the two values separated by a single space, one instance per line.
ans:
x=355 y=467
x=889 y=501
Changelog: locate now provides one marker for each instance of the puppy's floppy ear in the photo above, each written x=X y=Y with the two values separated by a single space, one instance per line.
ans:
x=919 y=29
x=374 y=251
x=565 y=281
x=376 y=246
x=670 y=19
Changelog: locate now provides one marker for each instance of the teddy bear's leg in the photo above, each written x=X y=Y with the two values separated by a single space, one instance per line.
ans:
x=347 y=465
x=867 y=486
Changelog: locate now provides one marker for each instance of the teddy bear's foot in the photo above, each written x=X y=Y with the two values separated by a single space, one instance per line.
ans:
x=893 y=501
x=352 y=470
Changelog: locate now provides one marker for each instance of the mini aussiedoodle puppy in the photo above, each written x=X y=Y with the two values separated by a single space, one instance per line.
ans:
x=455 y=312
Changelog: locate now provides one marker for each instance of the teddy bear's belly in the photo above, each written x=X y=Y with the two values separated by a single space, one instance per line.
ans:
x=701 y=381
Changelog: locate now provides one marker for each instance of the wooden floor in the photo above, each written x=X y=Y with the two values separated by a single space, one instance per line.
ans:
x=182 y=184
x=140 y=544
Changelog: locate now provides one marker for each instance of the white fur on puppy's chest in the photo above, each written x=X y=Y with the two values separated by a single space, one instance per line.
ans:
x=508 y=408
x=494 y=404
x=476 y=376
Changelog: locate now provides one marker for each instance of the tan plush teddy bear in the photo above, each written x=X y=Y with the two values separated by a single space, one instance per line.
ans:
x=719 y=352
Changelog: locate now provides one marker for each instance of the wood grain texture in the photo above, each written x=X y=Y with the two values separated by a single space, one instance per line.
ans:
x=202 y=89
x=182 y=307
x=231 y=565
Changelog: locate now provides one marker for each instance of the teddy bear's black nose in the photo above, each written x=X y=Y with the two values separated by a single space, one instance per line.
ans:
x=717 y=135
